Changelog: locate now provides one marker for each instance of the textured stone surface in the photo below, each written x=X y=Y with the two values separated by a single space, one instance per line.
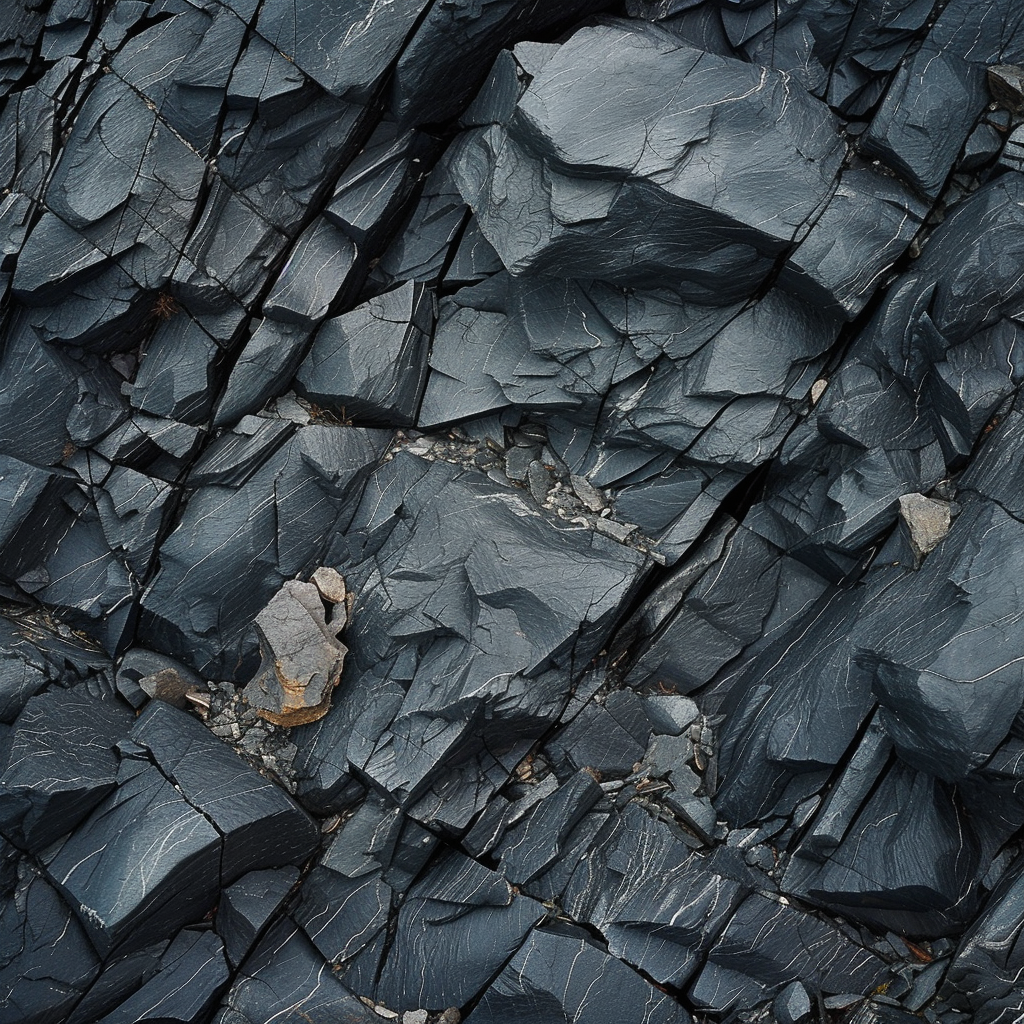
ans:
x=511 y=510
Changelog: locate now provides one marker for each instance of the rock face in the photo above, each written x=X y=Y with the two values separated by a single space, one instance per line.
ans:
x=511 y=510
x=302 y=656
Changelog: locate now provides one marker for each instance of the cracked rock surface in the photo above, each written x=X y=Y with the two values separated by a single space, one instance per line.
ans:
x=511 y=511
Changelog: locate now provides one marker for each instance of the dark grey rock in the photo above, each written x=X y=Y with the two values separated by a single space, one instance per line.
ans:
x=46 y=960
x=920 y=128
x=518 y=460
x=154 y=854
x=461 y=911
x=868 y=224
x=142 y=865
x=21 y=677
x=532 y=845
x=231 y=459
x=371 y=193
x=59 y=764
x=247 y=906
x=509 y=596
x=419 y=252
x=370 y=364
x=539 y=481
x=270 y=355
x=730 y=287
x=848 y=794
x=261 y=825
x=175 y=378
x=578 y=113
x=559 y=970
x=346 y=48
x=317 y=274
x=1012 y=152
x=275 y=525
x=285 y=971
x=792 y=1004
x=636 y=879
x=982 y=978
x=1006 y=83
x=191 y=974
x=768 y=945
x=452 y=49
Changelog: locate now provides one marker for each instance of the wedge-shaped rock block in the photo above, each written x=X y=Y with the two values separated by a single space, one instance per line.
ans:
x=460 y=914
x=261 y=825
x=142 y=865
x=370 y=364
x=316 y=271
x=344 y=47
x=560 y=973
x=286 y=979
x=768 y=944
x=185 y=819
x=191 y=974
x=907 y=861
x=246 y=906
x=59 y=765
x=46 y=961
x=630 y=156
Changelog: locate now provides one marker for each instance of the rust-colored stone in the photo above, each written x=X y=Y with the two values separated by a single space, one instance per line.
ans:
x=302 y=656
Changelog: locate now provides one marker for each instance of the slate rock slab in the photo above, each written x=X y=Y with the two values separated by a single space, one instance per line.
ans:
x=59 y=764
x=580 y=185
x=560 y=973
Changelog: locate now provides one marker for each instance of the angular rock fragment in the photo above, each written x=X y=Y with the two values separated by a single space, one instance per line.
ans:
x=142 y=865
x=238 y=542
x=371 y=193
x=59 y=764
x=46 y=960
x=369 y=365
x=927 y=521
x=461 y=911
x=302 y=656
x=345 y=47
x=647 y=204
x=260 y=824
x=884 y=883
x=154 y=854
x=248 y=905
x=318 y=269
x=349 y=900
x=191 y=973
x=285 y=975
x=454 y=673
x=1006 y=83
x=561 y=971
x=767 y=945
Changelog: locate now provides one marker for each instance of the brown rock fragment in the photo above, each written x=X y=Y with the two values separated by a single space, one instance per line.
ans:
x=302 y=656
